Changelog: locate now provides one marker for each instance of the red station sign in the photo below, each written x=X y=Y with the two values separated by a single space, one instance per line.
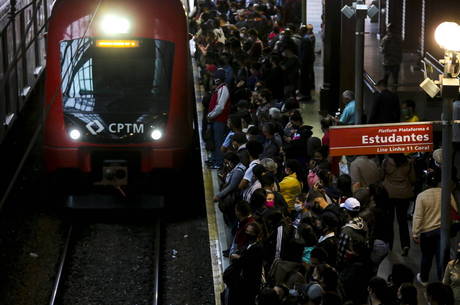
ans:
x=381 y=139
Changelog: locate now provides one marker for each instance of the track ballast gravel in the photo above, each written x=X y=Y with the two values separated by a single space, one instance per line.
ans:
x=110 y=264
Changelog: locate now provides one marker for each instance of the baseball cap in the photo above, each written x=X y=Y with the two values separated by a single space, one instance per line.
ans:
x=351 y=204
x=219 y=74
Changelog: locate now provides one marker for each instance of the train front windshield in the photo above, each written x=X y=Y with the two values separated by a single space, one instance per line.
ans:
x=110 y=76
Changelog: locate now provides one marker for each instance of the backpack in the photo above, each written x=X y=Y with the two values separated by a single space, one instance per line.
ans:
x=359 y=240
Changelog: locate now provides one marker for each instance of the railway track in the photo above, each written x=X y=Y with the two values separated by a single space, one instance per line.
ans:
x=109 y=264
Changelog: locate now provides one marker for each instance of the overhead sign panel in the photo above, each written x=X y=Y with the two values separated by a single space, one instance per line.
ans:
x=381 y=139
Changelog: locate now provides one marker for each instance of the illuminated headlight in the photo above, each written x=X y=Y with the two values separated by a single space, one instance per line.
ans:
x=115 y=25
x=156 y=134
x=75 y=134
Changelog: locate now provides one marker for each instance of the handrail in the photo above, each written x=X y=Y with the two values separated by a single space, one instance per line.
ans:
x=369 y=82
x=9 y=14
x=22 y=46
x=430 y=60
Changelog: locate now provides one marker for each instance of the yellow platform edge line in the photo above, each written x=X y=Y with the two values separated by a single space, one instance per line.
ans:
x=214 y=247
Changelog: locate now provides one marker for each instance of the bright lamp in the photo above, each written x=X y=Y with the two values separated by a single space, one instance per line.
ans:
x=112 y=24
x=156 y=134
x=75 y=134
x=447 y=35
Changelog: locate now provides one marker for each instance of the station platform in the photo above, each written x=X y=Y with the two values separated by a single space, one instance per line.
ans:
x=219 y=234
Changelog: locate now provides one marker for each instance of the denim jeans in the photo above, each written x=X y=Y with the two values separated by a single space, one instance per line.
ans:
x=218 y=129
x=430 y=246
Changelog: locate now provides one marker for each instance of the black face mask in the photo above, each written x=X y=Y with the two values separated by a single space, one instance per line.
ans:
x=251 y=238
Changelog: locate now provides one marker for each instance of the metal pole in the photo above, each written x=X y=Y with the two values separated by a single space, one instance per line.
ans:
x=359 y=68
x=14 y=79
x=446 y=172
x=304 y=12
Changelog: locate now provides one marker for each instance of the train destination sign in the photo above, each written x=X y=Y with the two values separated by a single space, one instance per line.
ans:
x=381 y=139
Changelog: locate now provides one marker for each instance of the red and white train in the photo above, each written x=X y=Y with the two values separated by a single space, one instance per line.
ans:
x=119 y=90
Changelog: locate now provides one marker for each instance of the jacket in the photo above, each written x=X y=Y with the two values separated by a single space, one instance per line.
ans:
x=398 y=181
x=219 y=106
x=232 y=180
x=290 y=188
x=355 y=231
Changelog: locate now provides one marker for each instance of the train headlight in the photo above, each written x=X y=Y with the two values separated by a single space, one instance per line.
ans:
x=156 y=134
x=75 y=134
x=112 y=24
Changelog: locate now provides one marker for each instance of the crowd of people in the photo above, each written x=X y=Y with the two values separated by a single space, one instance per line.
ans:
x=307 y=228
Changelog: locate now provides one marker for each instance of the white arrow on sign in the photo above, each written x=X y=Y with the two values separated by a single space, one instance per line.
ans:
x=93 y=124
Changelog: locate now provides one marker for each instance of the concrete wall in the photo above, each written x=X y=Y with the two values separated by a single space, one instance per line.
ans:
x=314 y=11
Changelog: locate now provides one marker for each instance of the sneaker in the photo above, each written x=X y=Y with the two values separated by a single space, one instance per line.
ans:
x=419 y=279
x=209 y=162
x=226 y=253
x=214 y=166
x=405 y=251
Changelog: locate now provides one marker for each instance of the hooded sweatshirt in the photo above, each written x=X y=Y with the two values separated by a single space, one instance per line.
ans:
x=353 y=233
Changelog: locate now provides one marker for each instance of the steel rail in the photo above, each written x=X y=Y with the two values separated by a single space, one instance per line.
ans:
x=63 y=259
x=156 y=251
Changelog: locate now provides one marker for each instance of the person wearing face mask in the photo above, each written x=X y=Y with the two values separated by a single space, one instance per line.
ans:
x=229 y=192
x=244 y=218
x=255 y=50
x=250 y=264
x=272 y=143
x=353 y=234
x=239 y=146
x=328 y=240
x=258 y=172
x=296 y=137
x=291 y=185
x=408 y=111
x=452 y=276
x=219 y=109
x=234 y=125
x=270 y=201
x=268 y=184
